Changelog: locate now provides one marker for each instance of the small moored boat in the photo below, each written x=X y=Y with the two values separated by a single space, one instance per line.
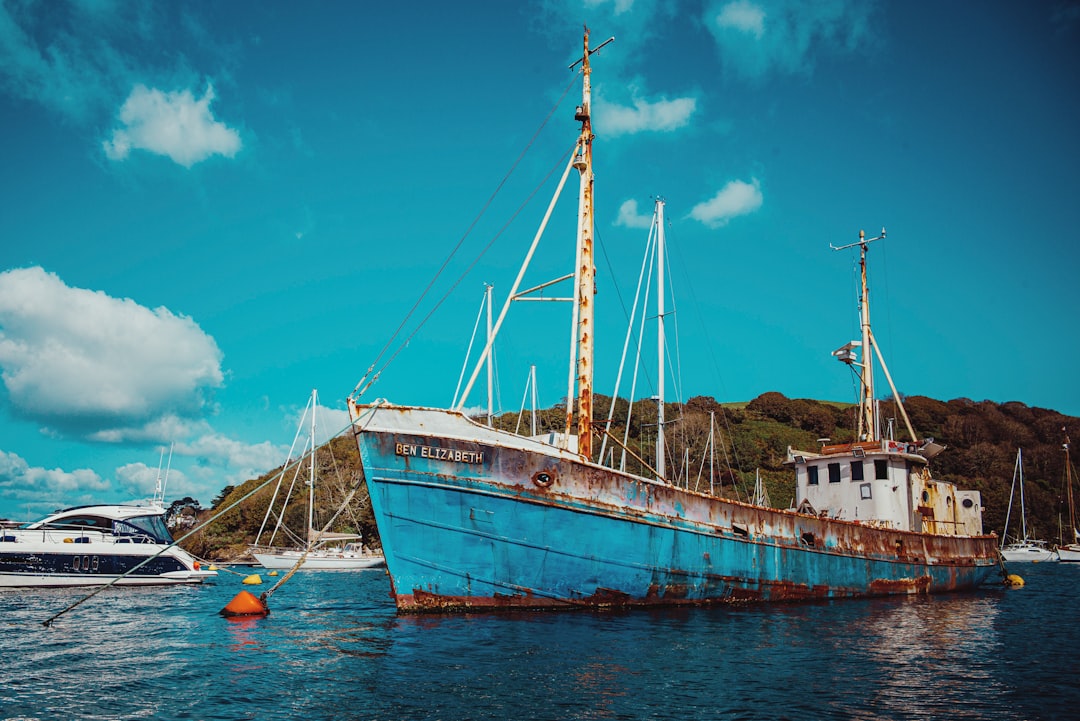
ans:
x=95 y=545
x=321 y=550
x=1023 y=548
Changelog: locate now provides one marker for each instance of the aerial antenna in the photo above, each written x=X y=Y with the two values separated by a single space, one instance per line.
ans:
x=159 y=490
x=593 y=51
x=863 y=241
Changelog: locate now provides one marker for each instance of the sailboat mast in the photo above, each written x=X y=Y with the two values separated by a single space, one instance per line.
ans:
x=311 y=480
x=868 y=415
x=660 y=453
x=1023 y=508
x=1069 y=492
x=587 y=270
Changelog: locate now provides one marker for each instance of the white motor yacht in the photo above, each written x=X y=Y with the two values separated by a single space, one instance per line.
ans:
x=95 y=545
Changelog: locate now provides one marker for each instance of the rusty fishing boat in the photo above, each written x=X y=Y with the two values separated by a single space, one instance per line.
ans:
x=476 y=518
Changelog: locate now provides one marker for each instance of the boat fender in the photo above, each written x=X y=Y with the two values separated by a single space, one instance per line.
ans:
x=196 y=564
x=69 y=540
x=1014 y=581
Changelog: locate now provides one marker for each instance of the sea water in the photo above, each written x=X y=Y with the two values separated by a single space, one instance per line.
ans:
x=334 y=648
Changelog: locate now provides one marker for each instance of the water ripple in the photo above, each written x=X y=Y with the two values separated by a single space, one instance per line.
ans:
x=333 y=648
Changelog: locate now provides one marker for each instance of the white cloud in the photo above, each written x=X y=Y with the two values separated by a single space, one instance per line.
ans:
x=744 y=16
x=174 y=124
x=138 y=480
x=45 y=489
x=734 y=199
x=757 y=37
x=629 y=217
x=156 y=430
x=643 y=116
x=84 y=362
x=246 y=460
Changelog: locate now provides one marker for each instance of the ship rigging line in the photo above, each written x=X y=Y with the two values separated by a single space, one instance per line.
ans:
x=358 y=391
x=176 y=542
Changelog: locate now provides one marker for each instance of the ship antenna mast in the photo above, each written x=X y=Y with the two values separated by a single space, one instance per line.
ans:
x=586 y=266
x=868 y=426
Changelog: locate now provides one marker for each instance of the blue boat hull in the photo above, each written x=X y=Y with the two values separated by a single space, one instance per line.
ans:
x=469 y=524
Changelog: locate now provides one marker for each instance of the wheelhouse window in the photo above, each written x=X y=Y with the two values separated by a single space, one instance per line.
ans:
x=856 y=470
x=811 y=476
x=881 y=470
x=152 y=527
x=834 y=473
x=80 y=523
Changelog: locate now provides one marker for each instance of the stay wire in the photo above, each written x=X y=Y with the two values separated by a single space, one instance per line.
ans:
x=49 y=621
x=464 y=274
x=468 y=231
x=707 y=339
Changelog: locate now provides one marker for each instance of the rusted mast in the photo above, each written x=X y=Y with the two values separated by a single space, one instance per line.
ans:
x=867 y=416
x=587 y=270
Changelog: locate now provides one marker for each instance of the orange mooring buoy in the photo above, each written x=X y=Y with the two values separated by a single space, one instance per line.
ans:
x=245 y=604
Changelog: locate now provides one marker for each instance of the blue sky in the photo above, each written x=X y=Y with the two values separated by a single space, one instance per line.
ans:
x=210 y=208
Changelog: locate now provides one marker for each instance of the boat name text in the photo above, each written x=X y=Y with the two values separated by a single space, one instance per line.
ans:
x=439 y=454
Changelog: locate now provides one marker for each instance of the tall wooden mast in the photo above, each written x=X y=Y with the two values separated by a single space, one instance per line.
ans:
x=586 y=270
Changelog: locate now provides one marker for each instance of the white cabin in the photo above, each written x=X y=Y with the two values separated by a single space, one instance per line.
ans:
x=883 y=483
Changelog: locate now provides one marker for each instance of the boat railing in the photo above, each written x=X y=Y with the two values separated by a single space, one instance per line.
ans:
x=77 y=535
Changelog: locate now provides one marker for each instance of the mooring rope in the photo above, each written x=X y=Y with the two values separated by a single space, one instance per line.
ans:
x=193 y=531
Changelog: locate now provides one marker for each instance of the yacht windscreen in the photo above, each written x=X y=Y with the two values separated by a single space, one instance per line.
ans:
x=153 y=526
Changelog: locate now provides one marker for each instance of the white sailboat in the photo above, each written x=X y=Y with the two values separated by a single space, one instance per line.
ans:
x=1023 y=548
x=319 y=551
x=1070 y=552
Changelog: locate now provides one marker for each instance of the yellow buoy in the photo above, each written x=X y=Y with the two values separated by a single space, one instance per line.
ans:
x=213 y=567
x=1014 y=581
x=252 y=580
x=245 y=604
x=272 y=573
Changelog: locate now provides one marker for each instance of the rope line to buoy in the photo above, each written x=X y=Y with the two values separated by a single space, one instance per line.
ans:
x=199 y=527
x=303 y=557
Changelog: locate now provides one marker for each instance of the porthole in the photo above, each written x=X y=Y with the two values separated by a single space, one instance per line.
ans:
x=926 y=496
x=967 y=503
x=545 y=478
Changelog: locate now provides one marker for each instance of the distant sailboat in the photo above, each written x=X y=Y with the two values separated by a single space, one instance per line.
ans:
x=1070 y=551
x=1023 y=548
x=325 y=551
